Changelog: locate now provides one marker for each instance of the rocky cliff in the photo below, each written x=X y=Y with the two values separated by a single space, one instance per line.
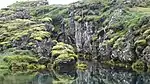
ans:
x=116 y=30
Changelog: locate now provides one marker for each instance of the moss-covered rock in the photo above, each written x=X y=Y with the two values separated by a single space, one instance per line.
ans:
x=146 y=33
x=62 y=48
x=139 y=66
x=21 y=63
x=18 y=58
x=117 y=64
x=46 y=19
x=92 y=18
x=63 y=54
x=140 y=42
x=40 y=35
x=81 y=66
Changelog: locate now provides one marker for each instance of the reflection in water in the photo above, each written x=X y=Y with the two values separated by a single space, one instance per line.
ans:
x=95 y=74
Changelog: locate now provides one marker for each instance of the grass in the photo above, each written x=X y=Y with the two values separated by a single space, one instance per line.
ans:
x=140 y=10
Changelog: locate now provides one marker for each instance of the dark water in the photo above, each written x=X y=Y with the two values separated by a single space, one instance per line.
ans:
x=95 y=74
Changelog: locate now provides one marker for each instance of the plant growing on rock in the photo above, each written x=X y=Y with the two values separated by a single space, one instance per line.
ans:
x=63 y=55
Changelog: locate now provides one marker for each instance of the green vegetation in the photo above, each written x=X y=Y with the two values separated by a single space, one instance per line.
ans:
x=63 y=53
x=17 y=58
x=139 y=66
x=142 y=10
x=117 y=64
x=96 y=1
x=81 y=66
x=118 y=21
x=140 y=42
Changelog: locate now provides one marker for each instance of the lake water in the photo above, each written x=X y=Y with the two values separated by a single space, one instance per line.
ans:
x=95 y=74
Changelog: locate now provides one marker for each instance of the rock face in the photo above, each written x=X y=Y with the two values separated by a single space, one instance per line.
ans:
x=114 y=32
x=104 y=30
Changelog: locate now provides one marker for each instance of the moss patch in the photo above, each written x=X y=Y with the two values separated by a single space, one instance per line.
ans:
x=140 y=42
x=81 y=66
x=63 y=53
x=117 y=64
x=139 y=66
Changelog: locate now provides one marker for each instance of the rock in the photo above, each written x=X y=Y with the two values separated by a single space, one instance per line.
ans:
x=139 y=66
x=44 y=60
x=63 y=56
x=146 y=54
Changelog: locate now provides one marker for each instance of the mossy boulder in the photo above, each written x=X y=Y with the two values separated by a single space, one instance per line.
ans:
x=62 y=48
x=22 y=63
x=63 y=55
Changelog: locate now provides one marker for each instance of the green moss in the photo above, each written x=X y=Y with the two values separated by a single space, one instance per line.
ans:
x=49 y=11
x=39 y=35
x=142 y=10
x=21 y=66
x=139 y=66
x=147 y=38
x=19 y=35
x=61 y=46
x=46 y=19
x=94 y=38
x=140 y=42
x=6 y=12
x=147 y=32
x=92 y=18
x=63 y=53
x=77 y=18
x=3 y=64
x=18 y=58
x=36 y=67
x=31 y=44
x=37 y=27
x=132 y=20
x=64 y=57
x=18 y=28
x=119 y=43
x=117 y=64
x=20 y=63
x=81 y=66
x=5 y=43
x=112 y=40
x=59 y=52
